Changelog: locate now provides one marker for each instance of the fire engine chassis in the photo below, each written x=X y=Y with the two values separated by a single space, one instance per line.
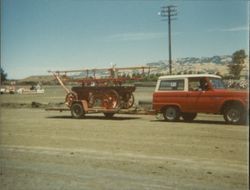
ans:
x=103 y=95
x=107 y=99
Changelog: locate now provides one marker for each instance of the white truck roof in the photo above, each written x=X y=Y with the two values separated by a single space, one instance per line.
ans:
x=187 y=76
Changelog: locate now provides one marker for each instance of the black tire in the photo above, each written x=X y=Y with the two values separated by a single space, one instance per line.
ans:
x=189 y=117
x=234 y=115
x=109 y=115
x=171 y=113
x=77 y=110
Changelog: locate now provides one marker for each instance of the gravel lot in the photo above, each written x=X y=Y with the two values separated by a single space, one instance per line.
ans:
x=50 y=150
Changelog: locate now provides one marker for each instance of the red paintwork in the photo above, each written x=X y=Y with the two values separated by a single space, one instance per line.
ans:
x=210 y=101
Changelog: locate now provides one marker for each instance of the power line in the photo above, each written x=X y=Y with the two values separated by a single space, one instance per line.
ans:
x=170 y=12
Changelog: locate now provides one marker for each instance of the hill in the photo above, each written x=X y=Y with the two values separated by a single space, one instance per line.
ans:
x=188 y=65
x=43 y=79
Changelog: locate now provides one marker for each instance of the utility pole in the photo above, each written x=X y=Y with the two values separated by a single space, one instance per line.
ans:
x=169 y=11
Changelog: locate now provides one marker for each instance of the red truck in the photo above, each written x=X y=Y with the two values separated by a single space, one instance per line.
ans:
x=184 y=96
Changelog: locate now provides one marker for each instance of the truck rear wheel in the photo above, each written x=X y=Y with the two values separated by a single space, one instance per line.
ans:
x=77 y=110
x=171 y=113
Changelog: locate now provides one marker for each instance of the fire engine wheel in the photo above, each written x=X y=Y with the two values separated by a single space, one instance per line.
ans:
x=109 y=115
x=189 y=117
x=77 y=110
x=234 y=115
x=113 y=99
x=130 y=102
x=70 y=97
x=171 y=113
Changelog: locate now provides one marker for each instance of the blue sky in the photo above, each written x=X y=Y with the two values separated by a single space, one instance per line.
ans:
x=42 y=35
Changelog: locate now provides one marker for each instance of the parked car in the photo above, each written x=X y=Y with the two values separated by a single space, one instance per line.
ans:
x=2 y=90
x=184 y=96
x=8 y=90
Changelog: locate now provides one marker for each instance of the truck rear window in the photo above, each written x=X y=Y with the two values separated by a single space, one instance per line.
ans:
x=169 y=85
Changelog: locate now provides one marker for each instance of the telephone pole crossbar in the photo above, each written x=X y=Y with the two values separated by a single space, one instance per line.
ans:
x=170 y=12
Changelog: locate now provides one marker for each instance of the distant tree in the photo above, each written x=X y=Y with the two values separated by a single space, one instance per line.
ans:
x=238 y=60
x=3 y=75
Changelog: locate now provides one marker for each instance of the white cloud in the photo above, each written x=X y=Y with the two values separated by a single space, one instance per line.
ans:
x=135 y=36
x=139 y=36
x=234 y=29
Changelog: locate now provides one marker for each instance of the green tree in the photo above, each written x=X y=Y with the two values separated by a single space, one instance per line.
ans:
x=238 y=60
x=3 y=75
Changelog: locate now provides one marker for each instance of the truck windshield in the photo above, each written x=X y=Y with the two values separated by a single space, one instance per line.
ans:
x=217 y=83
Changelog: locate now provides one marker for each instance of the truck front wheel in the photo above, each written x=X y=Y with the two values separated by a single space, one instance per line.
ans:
x=234 y=115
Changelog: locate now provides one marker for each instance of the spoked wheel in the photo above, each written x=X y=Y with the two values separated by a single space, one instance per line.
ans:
x=77 y=110
x=234 y=115
x=189 y=117
x=129 y=102
x=70 y=97
x=112 y=100
x=171 y=113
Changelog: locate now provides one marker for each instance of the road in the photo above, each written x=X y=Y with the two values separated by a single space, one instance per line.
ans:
x=50 y=150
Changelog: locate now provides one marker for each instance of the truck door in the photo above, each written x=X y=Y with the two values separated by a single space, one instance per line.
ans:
x=200 y=96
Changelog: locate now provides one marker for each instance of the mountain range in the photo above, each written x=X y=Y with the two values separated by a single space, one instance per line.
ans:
x=188 y=65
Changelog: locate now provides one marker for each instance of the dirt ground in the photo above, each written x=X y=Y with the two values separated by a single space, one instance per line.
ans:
x=50 y=150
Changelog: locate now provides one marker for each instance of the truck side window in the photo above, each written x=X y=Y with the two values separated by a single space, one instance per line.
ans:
x=193 y=85
x=197 y=84
x=171 y=85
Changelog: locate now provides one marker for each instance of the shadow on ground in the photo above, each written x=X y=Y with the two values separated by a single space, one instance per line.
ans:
x=92 y=117
x=195 y=122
